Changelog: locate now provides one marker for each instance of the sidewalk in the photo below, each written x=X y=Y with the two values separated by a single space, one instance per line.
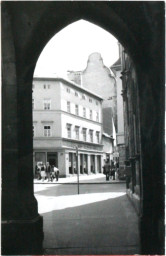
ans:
x=98 y=221
x=83 y=178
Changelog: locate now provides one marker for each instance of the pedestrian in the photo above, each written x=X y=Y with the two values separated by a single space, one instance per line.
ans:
x=117 y=170
x=112 y=170
x=107 y=169
x=56 y=172
x=52 y=173
x=48 y=171
x=43 y=172
x=38 y=171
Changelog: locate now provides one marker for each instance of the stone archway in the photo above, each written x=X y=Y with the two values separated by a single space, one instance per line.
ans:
x=26 y=28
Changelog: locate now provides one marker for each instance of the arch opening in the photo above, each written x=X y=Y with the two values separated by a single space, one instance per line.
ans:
x=28 y=35
x=68 y=127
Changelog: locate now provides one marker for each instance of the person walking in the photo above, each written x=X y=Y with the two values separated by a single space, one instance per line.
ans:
x=56 y=171
x=107 y=169
x=117 y=170
x=48 y=171
x=52 y=173
x=112 y=170
x=43 y=172
x=39 y=172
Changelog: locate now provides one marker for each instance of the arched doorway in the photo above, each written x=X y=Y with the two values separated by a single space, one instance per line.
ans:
x=29 y=26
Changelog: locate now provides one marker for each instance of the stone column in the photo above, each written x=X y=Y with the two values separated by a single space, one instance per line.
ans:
x=88 y=164
x=83 y=163
x=101 y=165
x=95 y=164
x=22 y=228
x=72 y=162
x=66 y=171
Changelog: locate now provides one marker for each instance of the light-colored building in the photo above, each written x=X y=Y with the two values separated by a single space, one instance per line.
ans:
x=101 y=80
x=65 y=116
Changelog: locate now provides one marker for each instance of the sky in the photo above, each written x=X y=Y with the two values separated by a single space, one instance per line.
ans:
x=69 y=49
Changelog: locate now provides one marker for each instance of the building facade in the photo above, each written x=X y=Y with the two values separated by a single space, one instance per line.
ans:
x=117 y=69
x=131 y=129
x=66 y=116
x=99 y=79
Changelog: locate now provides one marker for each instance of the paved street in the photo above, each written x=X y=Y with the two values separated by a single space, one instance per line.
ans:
x=100 y=220
x=92 y=178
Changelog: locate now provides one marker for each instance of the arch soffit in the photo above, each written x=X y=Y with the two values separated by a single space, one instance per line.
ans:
x=49 y=22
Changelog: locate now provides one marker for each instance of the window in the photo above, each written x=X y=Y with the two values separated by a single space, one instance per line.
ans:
x=46 y=86
x=90 y=114
x=76 y=94
x=69 y=130
x=90 y=100
x=68 y=90
x=97 y=116
x=33 y=131
x=98 y=136
x=47 y=131
x=91 y=135
x=33 y=101
x=77 y=132
x=83 y=96
x=84 y=112
x=68 y=106
x=47 y=104
x=76 y=110
x=97 y=103
x=84 y=134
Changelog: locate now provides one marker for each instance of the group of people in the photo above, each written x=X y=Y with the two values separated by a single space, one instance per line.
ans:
x=110 y=169
x=46 y=172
